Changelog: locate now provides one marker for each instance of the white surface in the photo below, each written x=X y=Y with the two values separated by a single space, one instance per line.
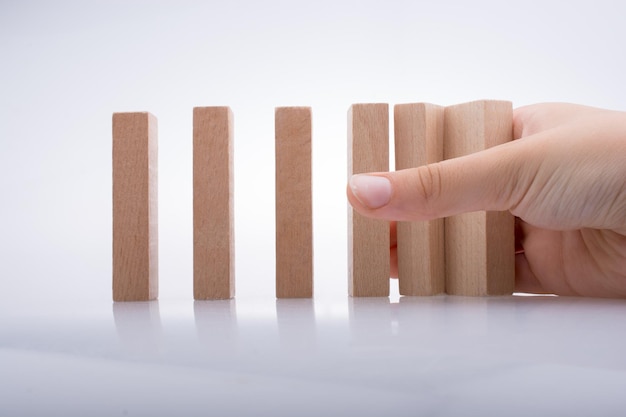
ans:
x=448 y=356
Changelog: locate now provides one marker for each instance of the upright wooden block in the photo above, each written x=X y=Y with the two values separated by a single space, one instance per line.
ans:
x=480 y=246
x=135 y=227
x=294 y=204
x=213 y=204
x=418 y=133
x=368 y=239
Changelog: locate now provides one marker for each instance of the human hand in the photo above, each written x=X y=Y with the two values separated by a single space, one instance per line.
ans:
x=564 y=178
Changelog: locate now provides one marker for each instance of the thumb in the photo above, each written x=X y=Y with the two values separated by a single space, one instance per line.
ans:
x=483 y=180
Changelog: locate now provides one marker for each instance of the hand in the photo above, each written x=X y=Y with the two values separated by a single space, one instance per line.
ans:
x=564 y=178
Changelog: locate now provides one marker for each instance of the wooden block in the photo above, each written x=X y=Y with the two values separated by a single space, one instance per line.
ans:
x=418 y=136
x=368 y=239
x=135 y=227
x=294 y=204
x=213 y=204
x=480 y=246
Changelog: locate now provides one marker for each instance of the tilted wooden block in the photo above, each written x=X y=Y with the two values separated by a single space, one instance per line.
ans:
x=294 y=204
x=368 y=239
x=213 y=205
x=480 y=246
x=135 y=218
x=418 y=134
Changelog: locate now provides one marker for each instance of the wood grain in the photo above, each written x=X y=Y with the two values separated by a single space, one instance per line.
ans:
x=418 y=136
x=294 y=204
x=368 y=239
x=480 y=246
x=213 y=204
x=135 y=205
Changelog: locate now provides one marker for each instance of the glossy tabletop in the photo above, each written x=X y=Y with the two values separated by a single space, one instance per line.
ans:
x=365 y=357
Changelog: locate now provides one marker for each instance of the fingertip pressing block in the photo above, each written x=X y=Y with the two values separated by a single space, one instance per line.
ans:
x=418 y=135
x=135 y=217
x=213 y=204
x=294 y=205
x=479 y=246
x=368 y=239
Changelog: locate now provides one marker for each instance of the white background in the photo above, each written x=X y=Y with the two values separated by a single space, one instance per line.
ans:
x=65 y=67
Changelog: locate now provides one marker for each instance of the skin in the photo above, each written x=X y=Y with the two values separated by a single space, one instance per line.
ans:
x=564 y=178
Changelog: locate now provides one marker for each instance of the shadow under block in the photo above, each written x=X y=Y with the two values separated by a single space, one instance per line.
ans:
x=135 y=217
x=480 y=246
x=294 y=204
x=213 y=206
x=418 y=133
x=368 y=239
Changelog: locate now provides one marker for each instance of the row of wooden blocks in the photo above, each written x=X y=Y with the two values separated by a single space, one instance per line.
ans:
x=470 y=254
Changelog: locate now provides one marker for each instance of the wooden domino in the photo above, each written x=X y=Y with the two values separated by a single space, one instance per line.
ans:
x=479 y=246
x=135 y=227
x=368 y=239
x=294 y=204
x=418 y=138
x=213 y=217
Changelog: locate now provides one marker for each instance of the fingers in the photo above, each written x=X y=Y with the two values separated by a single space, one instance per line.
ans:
x=393 y=249
x=480 y=181
x=565 y=178
x=393 y=271
x=525 y=279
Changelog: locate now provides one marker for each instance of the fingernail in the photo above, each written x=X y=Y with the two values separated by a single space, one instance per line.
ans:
x=372 y=191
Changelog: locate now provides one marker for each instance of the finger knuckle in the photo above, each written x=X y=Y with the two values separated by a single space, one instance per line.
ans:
x=429 y=190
